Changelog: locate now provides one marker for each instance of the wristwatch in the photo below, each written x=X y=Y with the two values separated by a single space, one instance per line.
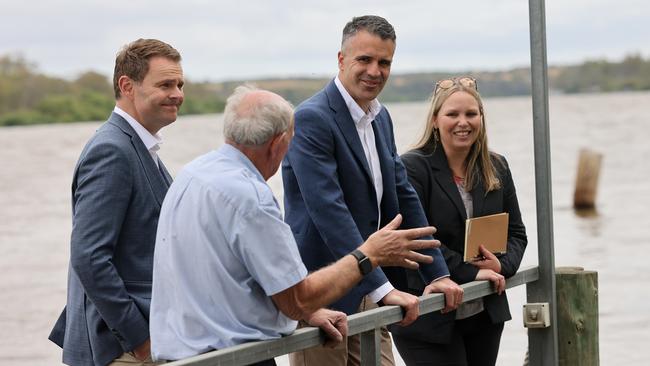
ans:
x=365 y=266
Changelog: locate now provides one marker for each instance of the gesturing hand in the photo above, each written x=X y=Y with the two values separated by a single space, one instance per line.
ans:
x=392 y=247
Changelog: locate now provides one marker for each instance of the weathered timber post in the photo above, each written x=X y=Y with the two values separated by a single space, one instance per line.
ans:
x=577 y=314
x=587 y=179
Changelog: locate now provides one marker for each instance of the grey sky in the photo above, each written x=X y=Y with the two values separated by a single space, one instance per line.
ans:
x=223 y=40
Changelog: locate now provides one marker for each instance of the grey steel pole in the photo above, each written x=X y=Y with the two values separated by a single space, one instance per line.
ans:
x=542 y=342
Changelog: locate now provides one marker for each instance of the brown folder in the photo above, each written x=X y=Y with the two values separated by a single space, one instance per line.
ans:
x=490 y=231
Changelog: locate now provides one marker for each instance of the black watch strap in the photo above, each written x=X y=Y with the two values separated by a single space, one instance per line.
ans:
x=365 y=266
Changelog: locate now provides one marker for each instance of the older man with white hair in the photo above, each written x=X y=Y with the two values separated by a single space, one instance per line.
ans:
x=226 y=267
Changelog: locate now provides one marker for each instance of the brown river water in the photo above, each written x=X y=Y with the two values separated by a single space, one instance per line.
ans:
x=36 y=165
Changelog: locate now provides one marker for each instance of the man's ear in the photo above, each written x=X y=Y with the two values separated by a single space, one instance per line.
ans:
x=274 y=146
x=126 y=86
x=340 y=58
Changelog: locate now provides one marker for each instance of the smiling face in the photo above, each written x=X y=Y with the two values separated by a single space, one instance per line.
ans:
x=154 y=102
x=459 y=123
x=364 y=66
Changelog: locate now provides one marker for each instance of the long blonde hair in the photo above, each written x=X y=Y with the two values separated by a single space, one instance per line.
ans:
x=479 y=161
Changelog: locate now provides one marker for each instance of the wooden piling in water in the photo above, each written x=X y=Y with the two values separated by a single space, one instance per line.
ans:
x=587 y=179
x=577 y=316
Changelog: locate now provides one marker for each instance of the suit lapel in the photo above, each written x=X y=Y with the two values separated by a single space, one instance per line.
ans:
x=445 y=179
x=346 y=125
x=153 y=174
x=163 y=170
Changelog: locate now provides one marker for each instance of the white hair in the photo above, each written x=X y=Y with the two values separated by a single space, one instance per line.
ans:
x=257 y=123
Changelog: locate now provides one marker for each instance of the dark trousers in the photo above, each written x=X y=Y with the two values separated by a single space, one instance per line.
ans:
x=475 y=342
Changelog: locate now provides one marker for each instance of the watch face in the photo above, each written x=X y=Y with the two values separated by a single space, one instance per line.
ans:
x=365 y=266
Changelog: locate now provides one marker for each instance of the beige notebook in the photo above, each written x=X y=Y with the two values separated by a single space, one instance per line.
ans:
x=490 y=231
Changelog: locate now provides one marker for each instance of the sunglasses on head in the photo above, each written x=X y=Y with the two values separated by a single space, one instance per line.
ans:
x=466 y=81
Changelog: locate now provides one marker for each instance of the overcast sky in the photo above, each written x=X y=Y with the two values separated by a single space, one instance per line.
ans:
x=246 y=39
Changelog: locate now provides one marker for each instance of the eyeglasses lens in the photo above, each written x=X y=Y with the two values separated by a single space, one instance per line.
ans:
x=467 y=82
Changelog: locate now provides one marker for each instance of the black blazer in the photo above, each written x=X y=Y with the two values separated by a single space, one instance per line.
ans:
x=432 y=179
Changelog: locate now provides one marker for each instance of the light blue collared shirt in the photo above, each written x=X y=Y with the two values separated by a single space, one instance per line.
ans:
x=222 y=250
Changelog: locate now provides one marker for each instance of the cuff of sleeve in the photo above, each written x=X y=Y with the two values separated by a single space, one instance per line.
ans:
x=380 y=292
x=133 y=331
x=437 y=269
x=464 y=273
x=439 y=278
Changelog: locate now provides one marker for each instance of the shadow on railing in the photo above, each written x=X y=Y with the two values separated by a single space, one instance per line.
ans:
x=366 y=324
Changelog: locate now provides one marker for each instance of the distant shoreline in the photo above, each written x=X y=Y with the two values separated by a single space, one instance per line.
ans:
x=552 y=94
x=29 y=97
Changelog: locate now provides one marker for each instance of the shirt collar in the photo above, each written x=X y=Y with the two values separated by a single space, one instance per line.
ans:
x=151 y=142
x=232 y=152
x=356 y=112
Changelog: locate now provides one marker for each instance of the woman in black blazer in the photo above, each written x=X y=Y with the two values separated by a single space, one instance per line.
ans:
x=456 y=177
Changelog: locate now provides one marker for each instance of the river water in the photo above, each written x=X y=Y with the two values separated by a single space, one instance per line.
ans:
x=37 y=164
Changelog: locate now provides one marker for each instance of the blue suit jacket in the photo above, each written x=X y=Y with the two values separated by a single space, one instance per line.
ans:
x=329 y=198
x=117 y=190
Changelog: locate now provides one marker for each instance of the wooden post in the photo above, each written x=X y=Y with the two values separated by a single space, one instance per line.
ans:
x=577 y=314
x=587 y=179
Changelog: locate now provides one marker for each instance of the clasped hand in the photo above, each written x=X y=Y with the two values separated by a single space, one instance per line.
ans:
x=453 y=293
x=333 y=323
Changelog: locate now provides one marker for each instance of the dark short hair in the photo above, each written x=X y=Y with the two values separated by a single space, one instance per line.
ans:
x=372 y=24
x=133 y=60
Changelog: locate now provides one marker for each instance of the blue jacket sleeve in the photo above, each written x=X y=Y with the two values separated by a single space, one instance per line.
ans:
x=312 y=158
x=413 y=214
x=417 y=168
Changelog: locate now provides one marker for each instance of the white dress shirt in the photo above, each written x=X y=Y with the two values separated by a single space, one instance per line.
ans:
x=151 y=142
x=472 y=307
x=363 y=123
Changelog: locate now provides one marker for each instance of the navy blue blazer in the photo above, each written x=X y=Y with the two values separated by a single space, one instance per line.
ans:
x=117 y=191
x=431 y=177
x=329 y=197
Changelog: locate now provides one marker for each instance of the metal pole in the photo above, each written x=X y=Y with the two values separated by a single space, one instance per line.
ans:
x=542 y=342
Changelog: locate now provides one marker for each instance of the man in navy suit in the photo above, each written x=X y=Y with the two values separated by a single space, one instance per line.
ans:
x=343 y=179
x=118 y=187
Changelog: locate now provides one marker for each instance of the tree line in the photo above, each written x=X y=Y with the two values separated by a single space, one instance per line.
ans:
x=30 y=97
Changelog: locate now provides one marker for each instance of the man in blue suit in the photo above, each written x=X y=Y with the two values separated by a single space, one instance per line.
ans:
x=343 y=179
x=118 y=187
